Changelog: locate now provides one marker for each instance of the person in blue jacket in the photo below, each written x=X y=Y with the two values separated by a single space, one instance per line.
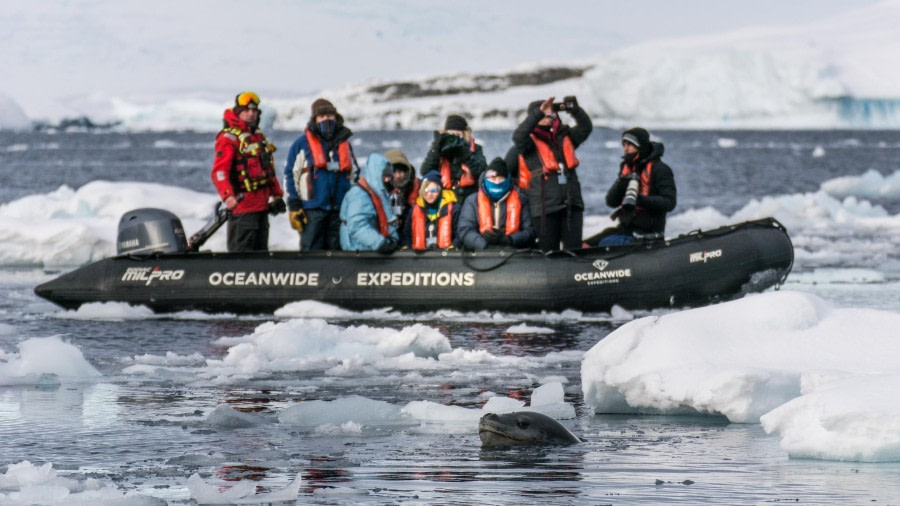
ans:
x=367 y=221
x=317 y=175
x=497 y=215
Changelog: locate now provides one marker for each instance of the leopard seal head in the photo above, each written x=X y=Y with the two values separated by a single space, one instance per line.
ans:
x=522 y=428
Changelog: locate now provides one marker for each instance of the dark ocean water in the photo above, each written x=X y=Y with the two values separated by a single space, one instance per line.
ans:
x=148 y=434
x=760 y=163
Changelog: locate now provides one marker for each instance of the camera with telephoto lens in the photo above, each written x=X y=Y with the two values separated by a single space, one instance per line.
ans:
x=567 y=104
x=631 y=191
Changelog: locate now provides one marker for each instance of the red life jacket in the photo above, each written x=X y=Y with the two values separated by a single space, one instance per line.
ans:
x=252 y=166
x=383 y=227
x=465 y=180
x=548 y=160
x=644 y=188
x=486 y=215
x=444 y=232
x=320 y=159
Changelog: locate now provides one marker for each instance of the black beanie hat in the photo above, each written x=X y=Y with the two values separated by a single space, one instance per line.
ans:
x=639 y=137
x=497 y=165
x=455 y=122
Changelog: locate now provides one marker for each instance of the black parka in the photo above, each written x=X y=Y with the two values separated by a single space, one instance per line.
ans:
x=649 y=216
x=547 y=195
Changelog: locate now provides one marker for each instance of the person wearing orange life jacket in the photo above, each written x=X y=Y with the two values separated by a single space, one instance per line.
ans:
x=317 y=175
x=457 y=157
x=641 y=211
x=243 y=173
x=497 y=215
x=432 y=220
x=368 y=222
x=548 y=170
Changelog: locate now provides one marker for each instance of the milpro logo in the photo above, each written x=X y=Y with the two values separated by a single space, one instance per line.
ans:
x=704 y=256
x=148 y=275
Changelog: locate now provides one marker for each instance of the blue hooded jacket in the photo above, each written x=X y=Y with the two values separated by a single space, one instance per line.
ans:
x=359 y=220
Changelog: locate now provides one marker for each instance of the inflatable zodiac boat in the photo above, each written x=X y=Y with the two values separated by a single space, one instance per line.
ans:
x=157 y=269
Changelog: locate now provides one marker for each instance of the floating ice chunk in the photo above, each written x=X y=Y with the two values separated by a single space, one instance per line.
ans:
x=205 y=493
x=44 y=356
x=523 y=328
x=726 y=142
x=740 y=359
x=855 y=418
x=502 y=405
x=110 y=311
x=227 y=417
x=339 y=411
x=428 y=411
x=818 y=152
x=547 y=394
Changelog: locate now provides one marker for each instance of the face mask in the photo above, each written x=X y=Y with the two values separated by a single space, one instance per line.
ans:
x=326 y=128
x=496 y=190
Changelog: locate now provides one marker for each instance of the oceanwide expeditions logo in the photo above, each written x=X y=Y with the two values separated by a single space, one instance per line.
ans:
x=602 y=276
x=150 y=275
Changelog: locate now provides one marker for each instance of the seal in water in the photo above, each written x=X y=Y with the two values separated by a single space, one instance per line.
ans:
x=523 y=428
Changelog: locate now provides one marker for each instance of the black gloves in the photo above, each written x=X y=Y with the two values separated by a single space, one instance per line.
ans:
x=277 y=206
x=388 y=247
x=294 y=204
x=452 y=145
x=493 y=237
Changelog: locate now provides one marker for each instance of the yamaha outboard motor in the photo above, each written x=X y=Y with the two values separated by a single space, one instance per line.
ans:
x=144 y=231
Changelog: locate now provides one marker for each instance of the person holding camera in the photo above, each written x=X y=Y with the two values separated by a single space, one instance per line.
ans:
x=317 y=176
x=243 y=173
x=643 y=193
x=547 y=170
x=457 y=157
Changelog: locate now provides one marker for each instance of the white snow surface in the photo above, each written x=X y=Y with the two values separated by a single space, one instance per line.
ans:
x=823 y=378
x=834 y=72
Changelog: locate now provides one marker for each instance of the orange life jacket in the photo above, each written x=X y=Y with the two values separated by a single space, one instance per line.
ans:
x=383 y=227
x=548 y=160
x=524 y=174
x=444 y=232
x=465 y=180
x=320 y=159
x=486 y=215
x=644 y=188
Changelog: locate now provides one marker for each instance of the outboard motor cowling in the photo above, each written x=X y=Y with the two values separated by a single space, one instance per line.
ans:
x=148 y=230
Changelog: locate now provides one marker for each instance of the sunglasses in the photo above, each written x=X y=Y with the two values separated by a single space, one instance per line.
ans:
x=432 y=190
x=246 y=97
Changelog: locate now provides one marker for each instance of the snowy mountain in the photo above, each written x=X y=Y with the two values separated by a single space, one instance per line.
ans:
x=834 y=73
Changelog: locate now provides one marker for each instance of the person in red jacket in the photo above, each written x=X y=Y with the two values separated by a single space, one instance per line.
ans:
x=243 y=174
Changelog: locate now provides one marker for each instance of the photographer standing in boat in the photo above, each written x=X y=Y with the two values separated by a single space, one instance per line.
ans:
x=497 y=215
x=457 y=157
x=243 y=173
x=317 y=176
x=368 y=222
x=643 y=193
x=546 y=170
